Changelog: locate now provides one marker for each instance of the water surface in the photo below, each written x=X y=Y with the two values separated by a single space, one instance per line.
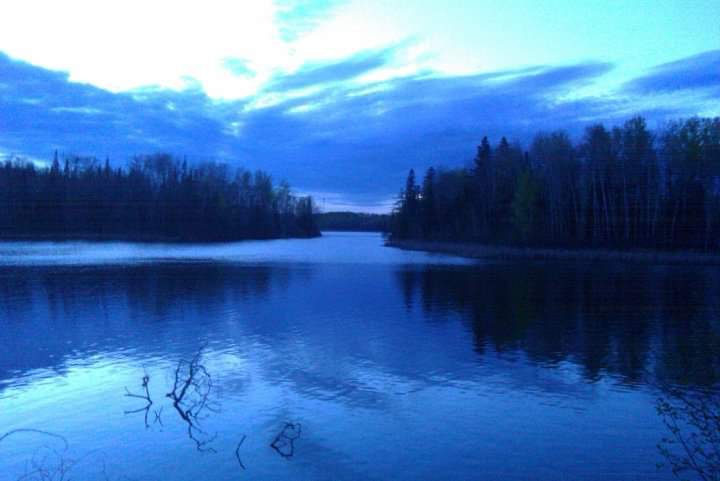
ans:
x=398 y=365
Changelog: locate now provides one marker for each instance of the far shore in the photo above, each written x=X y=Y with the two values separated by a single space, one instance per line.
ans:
x=139 y=238
x=481 y=251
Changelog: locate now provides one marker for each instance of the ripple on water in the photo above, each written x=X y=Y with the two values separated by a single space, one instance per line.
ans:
x=398 y=365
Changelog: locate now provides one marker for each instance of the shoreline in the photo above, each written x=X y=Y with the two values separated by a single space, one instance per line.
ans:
x=149 y=239
x=482 y=251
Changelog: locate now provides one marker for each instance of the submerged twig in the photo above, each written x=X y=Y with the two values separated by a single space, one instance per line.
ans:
x=694 y=442
x=284 y=443
x=157 y=413
x=35 y=431
x=145 y=397
x=46 y=463
x=191 y=398
x=237 y=452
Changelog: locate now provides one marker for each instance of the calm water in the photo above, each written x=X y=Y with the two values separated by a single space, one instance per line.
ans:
x=398 y=365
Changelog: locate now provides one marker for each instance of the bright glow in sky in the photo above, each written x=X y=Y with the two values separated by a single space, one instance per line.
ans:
x=293 y=70
x=120 y=45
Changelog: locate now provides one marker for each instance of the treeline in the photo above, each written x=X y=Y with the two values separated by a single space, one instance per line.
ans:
x=156 y=197
x=353 y=221
x=625 y=187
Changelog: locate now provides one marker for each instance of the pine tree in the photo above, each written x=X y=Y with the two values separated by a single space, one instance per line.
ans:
x=427 y=203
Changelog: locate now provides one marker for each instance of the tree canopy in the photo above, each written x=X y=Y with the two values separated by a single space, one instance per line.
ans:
x=156 y=197
x=624 y=187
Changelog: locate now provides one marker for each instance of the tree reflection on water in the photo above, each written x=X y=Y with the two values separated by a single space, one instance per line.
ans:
x=692 y=447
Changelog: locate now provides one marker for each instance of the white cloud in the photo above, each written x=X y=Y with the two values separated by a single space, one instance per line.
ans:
x=124 y=45
x=121 y=45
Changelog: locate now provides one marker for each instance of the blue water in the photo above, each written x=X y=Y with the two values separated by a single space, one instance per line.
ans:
x=398 y=365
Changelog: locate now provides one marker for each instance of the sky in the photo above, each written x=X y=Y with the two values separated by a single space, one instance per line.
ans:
x=341 y=98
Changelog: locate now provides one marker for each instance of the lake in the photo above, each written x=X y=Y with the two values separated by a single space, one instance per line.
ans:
x=387 y=364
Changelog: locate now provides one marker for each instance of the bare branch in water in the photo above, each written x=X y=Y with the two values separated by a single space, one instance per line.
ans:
x=191 y=398
x=46 y=463
x=157 y=413
x=693 y=446
x=237 y=452
x=35 y=431
x=284 y=443
x=145 y=397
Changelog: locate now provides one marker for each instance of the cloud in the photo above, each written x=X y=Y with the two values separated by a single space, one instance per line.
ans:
x=351 y=143
x=297 y=17
x=323 y=73
x=41 y=110
x=238 y=67
x=699 y=73
x=364 y=143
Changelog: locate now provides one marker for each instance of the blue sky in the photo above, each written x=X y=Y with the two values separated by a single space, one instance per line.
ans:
x=341 y=98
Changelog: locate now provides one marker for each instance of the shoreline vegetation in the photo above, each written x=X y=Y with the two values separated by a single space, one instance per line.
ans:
x=156 y=198
x=614 y=193
x=134 y=238
x=352 y=221
x=496 y=252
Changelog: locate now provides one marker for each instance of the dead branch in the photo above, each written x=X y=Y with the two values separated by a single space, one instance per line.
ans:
x=145 y=397
x=284 y=443
x=191 y=391
x=46 y=463
x=694 y=442
x=35 y=431
x=237 y=452
x=157 y=413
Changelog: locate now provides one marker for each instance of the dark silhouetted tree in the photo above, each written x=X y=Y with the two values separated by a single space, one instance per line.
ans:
x=155 y=197
x=626 y=187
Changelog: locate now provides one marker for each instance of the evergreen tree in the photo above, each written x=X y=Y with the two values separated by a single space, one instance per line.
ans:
x=622 y=187
x=154 y=198
x=428 y=203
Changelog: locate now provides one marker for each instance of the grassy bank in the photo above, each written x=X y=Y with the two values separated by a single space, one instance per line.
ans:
x=478 y=251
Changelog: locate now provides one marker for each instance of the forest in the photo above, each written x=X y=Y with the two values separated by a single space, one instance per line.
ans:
x=353 y=221
x=156 y=197
x=620 y=187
